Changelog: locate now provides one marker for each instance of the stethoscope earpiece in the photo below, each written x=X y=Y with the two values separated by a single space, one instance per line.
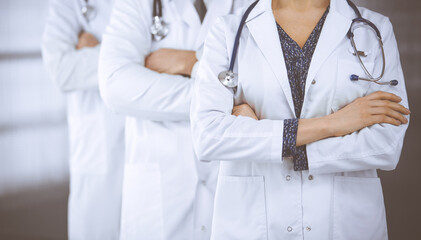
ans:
x=394 y=82
x=355 y=78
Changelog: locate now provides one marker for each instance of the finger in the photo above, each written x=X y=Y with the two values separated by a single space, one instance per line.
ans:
x=393 y=105
x=388 y=112
x=380 y=95
x=376 y=119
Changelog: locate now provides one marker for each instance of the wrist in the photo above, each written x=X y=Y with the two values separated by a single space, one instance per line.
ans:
x=328 y=126
x=188 y=61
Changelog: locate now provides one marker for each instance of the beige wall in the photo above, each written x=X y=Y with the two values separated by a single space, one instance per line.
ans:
x=402 y=187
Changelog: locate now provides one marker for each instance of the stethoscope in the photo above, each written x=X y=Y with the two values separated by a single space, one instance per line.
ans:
x=230 y=79
x=159 y=28
x=88 y=11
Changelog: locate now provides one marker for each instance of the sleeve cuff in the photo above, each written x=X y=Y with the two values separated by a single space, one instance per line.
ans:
x=290 y=148
x=290 y=137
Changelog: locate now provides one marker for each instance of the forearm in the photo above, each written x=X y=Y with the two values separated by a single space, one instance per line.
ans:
x=136 y=91
x=312 y=130
x=69 y=68
x=73 y=70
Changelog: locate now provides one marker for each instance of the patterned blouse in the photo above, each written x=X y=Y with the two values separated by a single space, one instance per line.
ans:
x=297 y=62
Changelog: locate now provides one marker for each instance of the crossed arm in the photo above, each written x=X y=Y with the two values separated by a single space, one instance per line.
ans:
x=378 y=107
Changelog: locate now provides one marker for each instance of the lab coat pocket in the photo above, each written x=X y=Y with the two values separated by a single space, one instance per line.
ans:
x=358 y=209
x=240 y=209
x=346 y=91
x=141 y=214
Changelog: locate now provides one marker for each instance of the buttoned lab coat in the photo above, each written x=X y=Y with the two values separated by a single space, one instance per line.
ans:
x=96 y=133
x=259 y=195
x=167 y=193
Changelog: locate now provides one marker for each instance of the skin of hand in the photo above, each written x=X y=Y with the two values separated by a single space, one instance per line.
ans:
x=244 y=110
x=378 y=107
x=375 y=108
x=171 y=61
x=86 y=40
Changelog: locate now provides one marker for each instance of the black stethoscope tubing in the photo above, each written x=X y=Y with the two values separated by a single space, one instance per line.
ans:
x=157 y=8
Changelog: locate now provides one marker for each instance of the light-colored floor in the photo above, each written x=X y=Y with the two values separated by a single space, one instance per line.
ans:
x=35 y=214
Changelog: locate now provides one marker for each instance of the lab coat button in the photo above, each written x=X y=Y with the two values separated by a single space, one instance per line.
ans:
x=288 y=178
x=313 y=82
x=308 y=228
x=289 y=229
x=203 y=228
x=203 y=182
x=310 y=177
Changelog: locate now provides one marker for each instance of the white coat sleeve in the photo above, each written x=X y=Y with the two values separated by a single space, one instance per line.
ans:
x=218 y=135
x=126 y=85
x=375 y=147
x=69 y=68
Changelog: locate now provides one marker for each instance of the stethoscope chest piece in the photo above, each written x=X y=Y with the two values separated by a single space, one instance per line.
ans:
x=228 y=79
x=88 y=11
x=159 y=28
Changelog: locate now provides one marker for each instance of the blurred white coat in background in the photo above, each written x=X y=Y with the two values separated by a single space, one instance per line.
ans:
x=167 y=193
x=96 y=133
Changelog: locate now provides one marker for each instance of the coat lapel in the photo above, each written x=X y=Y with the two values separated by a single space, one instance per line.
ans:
x=333 y=33
x=187 y=12
x=262 y=26
x=215 y=9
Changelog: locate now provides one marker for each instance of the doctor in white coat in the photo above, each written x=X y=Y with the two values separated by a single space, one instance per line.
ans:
x=167 y=193
x=70 y=53
x=349 y=128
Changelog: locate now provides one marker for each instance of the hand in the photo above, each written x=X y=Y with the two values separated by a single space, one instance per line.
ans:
x=171 y=61
x=378 y=107
x=86 y=40
x=244 y=110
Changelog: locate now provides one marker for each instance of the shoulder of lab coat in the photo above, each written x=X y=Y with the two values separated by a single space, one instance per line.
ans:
x=375 y=147
x=218 y=135
x=69 y=68
x=126 y=85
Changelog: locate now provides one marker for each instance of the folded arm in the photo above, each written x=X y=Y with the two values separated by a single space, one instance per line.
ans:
x=221 y=136
x=375 y=147
x=218 y=135
x=127 y=85
x=71 y=69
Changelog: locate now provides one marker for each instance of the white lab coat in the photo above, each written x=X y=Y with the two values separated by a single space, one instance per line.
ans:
x=259 y=195
x=167 y=193
x=96 y=134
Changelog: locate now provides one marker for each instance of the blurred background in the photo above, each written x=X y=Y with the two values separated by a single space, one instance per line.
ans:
x=33 y=134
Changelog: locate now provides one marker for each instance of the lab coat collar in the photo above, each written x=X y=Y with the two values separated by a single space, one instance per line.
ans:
x=187 y=12
x=262 y=26
x=265 y=34
x=334 y=32
x=339 y=6
x=214 y=10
